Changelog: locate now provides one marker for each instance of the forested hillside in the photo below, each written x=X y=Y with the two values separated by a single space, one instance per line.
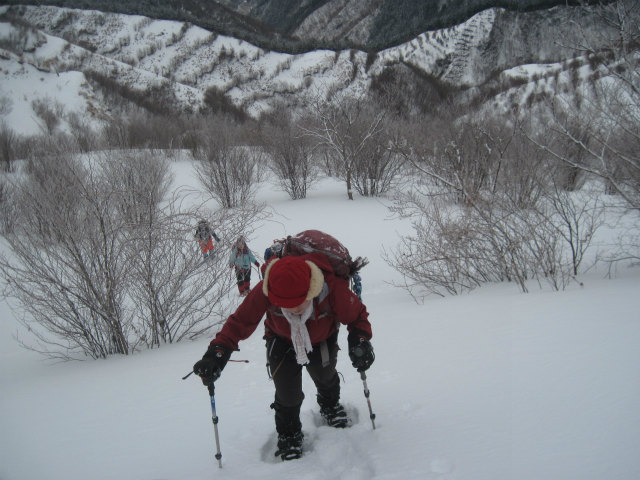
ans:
x=300 y=26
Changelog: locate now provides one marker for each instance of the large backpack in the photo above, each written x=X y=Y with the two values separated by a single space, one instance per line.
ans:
x=313 y=241
x=203 y=231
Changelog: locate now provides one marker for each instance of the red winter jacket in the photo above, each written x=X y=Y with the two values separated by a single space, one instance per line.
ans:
x=335 y=304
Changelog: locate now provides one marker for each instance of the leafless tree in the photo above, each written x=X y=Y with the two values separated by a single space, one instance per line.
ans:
x=455 y=249
x=605 y=125
x=138 y=182
x=85 y=137
x=68 y=262
x=134 y=127
x=344 y=129
x=49 y=113
x=380 y=166
x=8 y=210
x=227 y=170
x=496 y=221
x=8 y=140
x=115 y=133
x=463 y=155
x=177 y=294
x=290 y=154
x=576 y=216
x=103 y=262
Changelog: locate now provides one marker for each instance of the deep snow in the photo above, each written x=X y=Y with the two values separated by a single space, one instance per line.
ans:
x=494 y=384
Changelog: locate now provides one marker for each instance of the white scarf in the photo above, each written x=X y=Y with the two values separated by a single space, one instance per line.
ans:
x=300 y=334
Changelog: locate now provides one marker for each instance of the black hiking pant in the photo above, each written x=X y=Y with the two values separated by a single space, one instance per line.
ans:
x=287 y=378
x=243 y=278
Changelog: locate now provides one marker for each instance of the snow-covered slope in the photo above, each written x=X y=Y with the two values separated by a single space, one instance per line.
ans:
x=494 y=385
x=185 y=61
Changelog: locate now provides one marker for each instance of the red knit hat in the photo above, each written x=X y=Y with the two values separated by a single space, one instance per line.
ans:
x=289 y=281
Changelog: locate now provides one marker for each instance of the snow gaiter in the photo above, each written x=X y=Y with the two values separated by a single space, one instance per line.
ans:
x=287 y=419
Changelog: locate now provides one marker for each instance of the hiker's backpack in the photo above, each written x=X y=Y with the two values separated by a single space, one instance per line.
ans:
x=313 y=241
x=203 y=231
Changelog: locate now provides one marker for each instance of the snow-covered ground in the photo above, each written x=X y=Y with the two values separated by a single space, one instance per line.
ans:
x=493 y=385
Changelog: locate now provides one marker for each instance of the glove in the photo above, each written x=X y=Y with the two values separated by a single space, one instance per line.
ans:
x=212 y=364
x=360 y=352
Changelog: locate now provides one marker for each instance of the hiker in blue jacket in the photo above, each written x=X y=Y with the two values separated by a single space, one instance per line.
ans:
x=241 y=259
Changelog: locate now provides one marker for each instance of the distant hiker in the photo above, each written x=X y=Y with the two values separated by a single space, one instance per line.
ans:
x=304 y=302
x=205 y=237
x=241 y=259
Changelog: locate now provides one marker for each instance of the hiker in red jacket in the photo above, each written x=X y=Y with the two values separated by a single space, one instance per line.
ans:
x=205 y=237
x=304 y=303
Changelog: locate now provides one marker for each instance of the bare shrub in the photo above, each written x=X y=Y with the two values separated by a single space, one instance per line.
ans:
x=138 y=128
x=379 y=166
x=290 y=154
x=102 y=262
x=455 y=249
x=218 y=103
x=115 y=133
x=49 y=113
x=604 y=126
x=178 y=296
x=8 y=139
x=22 y=37
x=138 y=181
x=576 y=216
x=228 y=171
x=67 y=268
x=457 y=154
x=8 y=207
x=438 y=257
x=85 y=137
x=6 y=104
x=344 y=130
x=500 y=219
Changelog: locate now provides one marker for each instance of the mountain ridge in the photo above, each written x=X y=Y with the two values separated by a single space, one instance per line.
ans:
x=290 y=26
x=181 y=68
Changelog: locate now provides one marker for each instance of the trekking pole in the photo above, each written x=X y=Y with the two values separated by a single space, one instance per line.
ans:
x=372 y=415
x=214 y=417
x=259 y=272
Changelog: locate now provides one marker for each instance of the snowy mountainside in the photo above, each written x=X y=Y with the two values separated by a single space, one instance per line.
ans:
x=140 y=53
x=429 y=50
x=328 y=22
x=185 y=62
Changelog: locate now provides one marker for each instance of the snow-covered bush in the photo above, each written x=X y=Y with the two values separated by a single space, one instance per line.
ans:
x=102 y=260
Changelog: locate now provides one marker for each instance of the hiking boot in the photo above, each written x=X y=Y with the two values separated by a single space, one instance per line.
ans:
x=290 y=446
x=335 y=415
